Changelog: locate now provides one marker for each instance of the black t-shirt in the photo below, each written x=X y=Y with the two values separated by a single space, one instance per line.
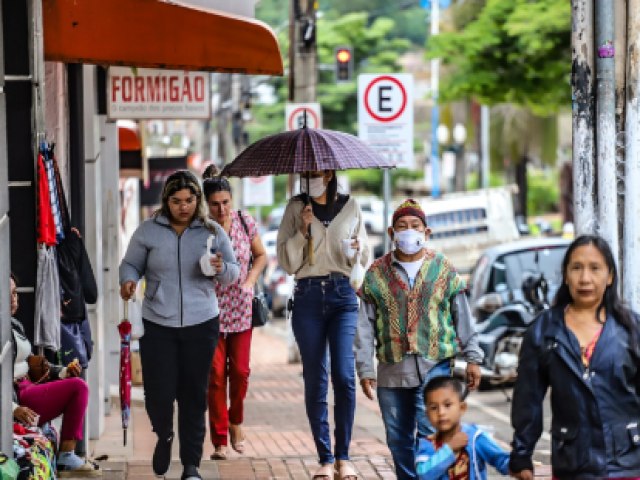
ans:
x=324 y=213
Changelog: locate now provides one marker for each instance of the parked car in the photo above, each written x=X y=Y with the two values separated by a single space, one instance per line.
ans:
x=498 y=275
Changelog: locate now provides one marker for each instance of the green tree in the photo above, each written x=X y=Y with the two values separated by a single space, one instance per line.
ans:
x=516 y=54
x=515 y=51
x=374 y=50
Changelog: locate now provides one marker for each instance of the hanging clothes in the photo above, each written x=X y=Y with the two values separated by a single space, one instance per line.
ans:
x=47 y=307
x=64 y=209
x=46 y=229
x=53 y=192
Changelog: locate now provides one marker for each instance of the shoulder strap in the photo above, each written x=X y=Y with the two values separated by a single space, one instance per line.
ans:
x=244 y=224
x=246 y=229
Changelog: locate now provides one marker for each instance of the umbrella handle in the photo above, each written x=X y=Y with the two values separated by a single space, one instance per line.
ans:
x=312 y=259
x=126 y=309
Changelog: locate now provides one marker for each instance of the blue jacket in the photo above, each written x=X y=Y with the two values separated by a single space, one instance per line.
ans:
x=595 y=411
x=432 y=464
x=177 y=293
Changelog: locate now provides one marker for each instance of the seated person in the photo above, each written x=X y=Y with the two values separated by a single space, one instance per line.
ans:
x=46 y=391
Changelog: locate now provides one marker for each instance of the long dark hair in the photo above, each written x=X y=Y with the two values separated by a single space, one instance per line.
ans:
x=213 y=185
x=611 y=301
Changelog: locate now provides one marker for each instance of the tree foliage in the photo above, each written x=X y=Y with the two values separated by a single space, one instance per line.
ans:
x=515 y=51
x=374 y=50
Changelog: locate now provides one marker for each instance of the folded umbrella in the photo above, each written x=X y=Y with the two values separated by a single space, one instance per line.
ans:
x=124 y=328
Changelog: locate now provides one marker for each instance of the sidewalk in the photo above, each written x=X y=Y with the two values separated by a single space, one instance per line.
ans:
x=279 y=444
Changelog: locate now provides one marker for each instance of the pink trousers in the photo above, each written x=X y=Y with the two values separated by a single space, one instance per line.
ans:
x=230 y=364
x=67 y=397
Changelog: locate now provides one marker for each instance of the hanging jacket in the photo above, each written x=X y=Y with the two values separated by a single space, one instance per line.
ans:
x=77 y=282
x=432 y=464
x=46 y=224
x=595 y=410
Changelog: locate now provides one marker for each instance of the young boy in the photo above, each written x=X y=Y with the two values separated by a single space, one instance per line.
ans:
x=457 y=451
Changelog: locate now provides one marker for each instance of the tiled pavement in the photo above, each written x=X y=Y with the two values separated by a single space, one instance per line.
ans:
x=279 y=444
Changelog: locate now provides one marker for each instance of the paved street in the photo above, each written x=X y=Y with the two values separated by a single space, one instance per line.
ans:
x=279 y=445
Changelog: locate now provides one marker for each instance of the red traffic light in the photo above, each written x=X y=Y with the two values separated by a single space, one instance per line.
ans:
x=343 y=55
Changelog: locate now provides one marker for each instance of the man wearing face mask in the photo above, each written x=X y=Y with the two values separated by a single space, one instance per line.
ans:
x=416 y=317
x=325 y=308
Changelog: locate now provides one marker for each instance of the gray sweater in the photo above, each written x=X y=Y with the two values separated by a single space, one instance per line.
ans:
x=177 y=293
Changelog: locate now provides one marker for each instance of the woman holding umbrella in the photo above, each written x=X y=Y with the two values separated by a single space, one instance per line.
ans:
x=325 y=307
x=180 y=313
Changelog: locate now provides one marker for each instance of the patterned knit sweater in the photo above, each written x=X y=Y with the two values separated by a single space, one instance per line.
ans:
x=413 y=320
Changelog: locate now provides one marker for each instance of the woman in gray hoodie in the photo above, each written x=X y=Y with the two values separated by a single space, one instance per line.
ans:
x=180 y=313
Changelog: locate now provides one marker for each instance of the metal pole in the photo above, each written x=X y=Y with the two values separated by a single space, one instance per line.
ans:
x=484 y=158
x=606 y=124
x=435 y=113
x=386 y=193
x=631 y=251
x=583 y=117
x=620 y=45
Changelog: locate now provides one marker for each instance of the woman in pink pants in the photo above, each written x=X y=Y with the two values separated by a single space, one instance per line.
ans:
x=57 y=392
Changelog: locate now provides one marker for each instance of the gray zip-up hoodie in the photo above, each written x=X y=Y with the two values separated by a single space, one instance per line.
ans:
x=177 y=293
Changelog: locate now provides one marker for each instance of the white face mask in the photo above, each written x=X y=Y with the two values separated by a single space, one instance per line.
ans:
x=409 y=241
x=316 y=186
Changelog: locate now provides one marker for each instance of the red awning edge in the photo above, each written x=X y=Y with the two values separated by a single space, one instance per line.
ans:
x=157 y=34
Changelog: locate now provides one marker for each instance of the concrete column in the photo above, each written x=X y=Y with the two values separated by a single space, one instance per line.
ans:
x=93 y=241
x=6 y=364
x=110 y=249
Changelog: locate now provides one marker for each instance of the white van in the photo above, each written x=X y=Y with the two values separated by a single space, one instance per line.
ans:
x=464 y=224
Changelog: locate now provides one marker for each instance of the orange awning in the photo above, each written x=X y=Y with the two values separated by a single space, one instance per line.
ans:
x=128 y=139
x=157 y=34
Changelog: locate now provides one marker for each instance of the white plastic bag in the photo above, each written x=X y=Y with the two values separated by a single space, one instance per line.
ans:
x=135 y=317
x=205 y=259
x=357 y=274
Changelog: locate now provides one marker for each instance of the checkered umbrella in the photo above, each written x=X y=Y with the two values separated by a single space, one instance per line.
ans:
x=305 y=150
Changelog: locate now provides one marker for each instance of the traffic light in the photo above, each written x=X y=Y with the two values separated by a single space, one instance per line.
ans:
x=344 y=64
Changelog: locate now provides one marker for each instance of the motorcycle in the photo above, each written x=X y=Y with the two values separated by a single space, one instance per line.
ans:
x=500 y=335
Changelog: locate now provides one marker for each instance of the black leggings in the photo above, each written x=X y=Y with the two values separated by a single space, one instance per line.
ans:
x=175 y=366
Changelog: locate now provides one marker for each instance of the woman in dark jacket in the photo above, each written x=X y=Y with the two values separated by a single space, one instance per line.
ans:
x=586 y=349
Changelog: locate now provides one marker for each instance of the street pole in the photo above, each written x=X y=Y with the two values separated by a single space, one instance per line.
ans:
x=435 y=112
x=303 y=78
x=631 y=250
x=484 y=136
x=620 y=46
x=582 y=80
x=606 y=124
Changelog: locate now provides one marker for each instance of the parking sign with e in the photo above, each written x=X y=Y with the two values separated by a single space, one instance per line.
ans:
x=385 y=115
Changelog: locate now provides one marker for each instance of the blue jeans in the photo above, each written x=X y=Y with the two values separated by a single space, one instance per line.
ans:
x=325 y=311
x=404 y=414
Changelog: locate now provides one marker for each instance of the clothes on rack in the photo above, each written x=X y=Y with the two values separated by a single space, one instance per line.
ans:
x=47 y=308
x=53 y=190
x=46 y=229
